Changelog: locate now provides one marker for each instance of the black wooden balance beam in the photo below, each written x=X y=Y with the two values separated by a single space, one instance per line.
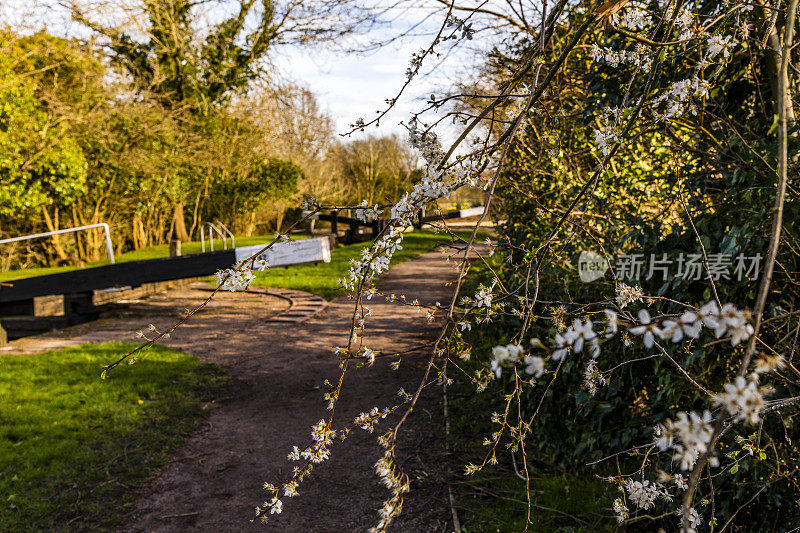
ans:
x=356 y=222
x=457 y=213
x=350 y=221
x=136 y=273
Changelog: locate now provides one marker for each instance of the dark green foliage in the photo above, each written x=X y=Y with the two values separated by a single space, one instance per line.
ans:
x=720 y=162
x=170 y=64
x=269 y=179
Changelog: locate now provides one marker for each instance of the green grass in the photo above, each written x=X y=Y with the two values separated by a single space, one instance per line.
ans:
x=150 y=252
x=74 y=449
x=558 y=503
x=323 y=279
x=495 y=499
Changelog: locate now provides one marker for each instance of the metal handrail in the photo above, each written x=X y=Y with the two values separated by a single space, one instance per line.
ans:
x=233 y=239
x=218 y=227
x=109 y=246
x=211 y=229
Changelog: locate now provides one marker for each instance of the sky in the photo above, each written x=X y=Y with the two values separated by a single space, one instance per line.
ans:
x=348 y=86
x=352 y=86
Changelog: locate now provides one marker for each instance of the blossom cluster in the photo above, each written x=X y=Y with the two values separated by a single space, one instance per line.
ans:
x=677 y=100
x=460 y=25
x=239 y=277
x=365 y=213
x=437 y=182
x=645 y=494
x=394 y=480
x=366 y=421
x=639 y=57
x=512 y=354
x=234 y=279
x=483 y=297
x=592 y=377
x=628 y=295
x=374 y=260
x=689 y=437
x=742 y=398
x=725 y=321
x=318 y=452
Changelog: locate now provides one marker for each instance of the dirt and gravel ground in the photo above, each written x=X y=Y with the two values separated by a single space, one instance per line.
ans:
x=277 y=373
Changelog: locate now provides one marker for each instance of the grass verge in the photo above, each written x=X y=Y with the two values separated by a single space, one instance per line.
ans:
x=74 y=449
x=495 y=499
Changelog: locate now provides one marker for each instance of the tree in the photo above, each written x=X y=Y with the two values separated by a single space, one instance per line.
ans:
x=190 y=66
x=677 y=161
x=294 y=128
x=375 y=169
x=267 y=182
x=42 y=168
x=185 y=61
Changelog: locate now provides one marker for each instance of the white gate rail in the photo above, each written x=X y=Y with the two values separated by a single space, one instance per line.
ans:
x=219 y=227
x=109 y=246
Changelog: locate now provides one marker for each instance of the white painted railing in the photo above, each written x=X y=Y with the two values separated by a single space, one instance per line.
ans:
x=109 y=246
x=219 y=227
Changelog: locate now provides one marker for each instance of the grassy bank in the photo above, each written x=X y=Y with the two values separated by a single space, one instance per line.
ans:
x=74 y=449
x=496 y=499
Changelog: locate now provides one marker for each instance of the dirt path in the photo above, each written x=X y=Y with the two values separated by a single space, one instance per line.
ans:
x=277 y=373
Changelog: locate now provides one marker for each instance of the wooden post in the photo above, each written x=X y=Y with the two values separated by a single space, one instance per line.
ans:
x=79 y=307
x=3 y=336
x=334 y=221
x=174 y=248
x=420 y=214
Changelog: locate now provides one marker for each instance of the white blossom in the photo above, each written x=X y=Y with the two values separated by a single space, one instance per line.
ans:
x=647 y=328
x=635 y=19
x=627 y=295
x=688 y=324
x=234 y=279
x=717 y=44
x=534 y=366
x=743 y=399
x=592 y=377
x=620 y=510
x=642 y=493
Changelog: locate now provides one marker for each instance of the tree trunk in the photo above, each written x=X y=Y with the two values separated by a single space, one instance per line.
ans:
x=139 y=235
x=53 y=226
x=778 y=79
x=180 y=224
x=279 y=221
x=81 y=247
